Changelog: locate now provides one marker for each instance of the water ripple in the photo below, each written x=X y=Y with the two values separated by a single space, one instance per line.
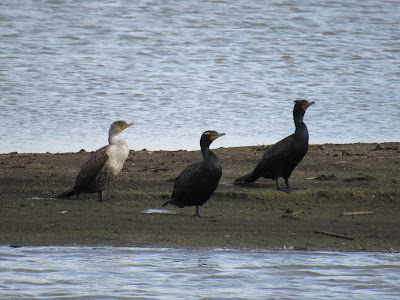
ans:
x=113 y=272
x=181 y=68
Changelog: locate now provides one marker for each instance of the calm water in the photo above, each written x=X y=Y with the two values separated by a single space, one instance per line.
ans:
x=115 y=273
x=68 y=69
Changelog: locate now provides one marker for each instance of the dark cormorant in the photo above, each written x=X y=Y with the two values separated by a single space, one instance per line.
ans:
x=281 y=159
x=198 y=181
x=103 y=165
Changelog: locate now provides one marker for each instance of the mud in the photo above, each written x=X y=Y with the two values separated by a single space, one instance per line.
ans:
x=351 y=202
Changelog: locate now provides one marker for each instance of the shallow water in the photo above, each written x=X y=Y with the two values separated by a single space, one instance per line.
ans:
x=68 y=69
x=151 y=273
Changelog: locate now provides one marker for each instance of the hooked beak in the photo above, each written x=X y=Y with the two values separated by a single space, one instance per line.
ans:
x=305 y=106
x=214 y=137
x=123 y=127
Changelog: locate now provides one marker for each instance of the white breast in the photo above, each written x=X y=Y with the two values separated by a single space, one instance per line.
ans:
x=117 y=152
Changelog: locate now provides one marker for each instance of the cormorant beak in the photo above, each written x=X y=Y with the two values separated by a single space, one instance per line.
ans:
x=214 y=137
x=305 y=106
x=124 y=126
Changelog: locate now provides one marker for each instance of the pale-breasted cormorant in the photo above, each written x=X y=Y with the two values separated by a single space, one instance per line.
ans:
x=280 y=159
x=103 y=165
x=198 y=181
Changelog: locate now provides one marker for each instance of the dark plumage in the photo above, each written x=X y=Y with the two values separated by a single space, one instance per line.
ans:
x=198 y=181
x=281 y=159
x=103 y=166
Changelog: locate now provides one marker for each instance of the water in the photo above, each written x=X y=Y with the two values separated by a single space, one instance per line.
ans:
x=147 y=273
x=68 y=69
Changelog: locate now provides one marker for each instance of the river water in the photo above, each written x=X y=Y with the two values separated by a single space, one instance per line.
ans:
x=68 y=69
x=147 y=273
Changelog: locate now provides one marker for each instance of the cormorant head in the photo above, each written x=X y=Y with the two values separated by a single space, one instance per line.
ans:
x=299 y=110
x=209 y=136
x=117 y=127
x=301 y=106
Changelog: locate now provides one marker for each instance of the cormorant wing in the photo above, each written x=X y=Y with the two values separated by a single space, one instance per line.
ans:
x=186 y=178
x=276 y=152
x=91 y=168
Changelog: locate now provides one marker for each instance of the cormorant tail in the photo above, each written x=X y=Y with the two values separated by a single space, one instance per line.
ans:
x=251 y=177
x=170 y=201
x=66 y=194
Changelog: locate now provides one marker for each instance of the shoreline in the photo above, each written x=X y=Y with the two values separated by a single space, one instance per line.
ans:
x=195 y=148
x=340 y=178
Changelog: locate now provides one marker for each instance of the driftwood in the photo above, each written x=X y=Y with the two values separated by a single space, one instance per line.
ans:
x=290 y=217
x=357 y=213
x=335 y=235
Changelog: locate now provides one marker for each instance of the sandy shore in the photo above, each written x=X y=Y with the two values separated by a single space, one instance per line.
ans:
x=352 y=202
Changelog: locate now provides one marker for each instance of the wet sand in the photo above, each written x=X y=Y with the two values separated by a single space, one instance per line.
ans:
x=352 y=202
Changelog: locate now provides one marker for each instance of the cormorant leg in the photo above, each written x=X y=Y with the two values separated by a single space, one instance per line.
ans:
x=287 y=189
x=279 y=188
x=100 y=197
x=197 y=212
x=291 y=188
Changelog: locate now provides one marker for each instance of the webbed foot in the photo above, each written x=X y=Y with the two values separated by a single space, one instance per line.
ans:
x=296 y=188
x=286 y=190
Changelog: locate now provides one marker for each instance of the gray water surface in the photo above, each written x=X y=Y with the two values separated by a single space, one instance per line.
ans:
x=166 y=273
x=68 y=69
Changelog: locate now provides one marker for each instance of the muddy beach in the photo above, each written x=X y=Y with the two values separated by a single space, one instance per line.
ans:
x=352 y=202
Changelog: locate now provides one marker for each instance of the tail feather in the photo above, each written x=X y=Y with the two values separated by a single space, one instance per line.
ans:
x=170 y=201
x=251 y=177
x=174 y=202
x=66 y=194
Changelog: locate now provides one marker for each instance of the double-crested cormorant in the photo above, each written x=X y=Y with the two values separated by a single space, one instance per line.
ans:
x=281 y=159
x=103 y=165
x=198 y=181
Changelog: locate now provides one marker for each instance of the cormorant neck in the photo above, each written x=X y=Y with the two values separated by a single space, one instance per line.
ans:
x=206 y=152
x=298 y=119
x=113 y=139
x=301 y=132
